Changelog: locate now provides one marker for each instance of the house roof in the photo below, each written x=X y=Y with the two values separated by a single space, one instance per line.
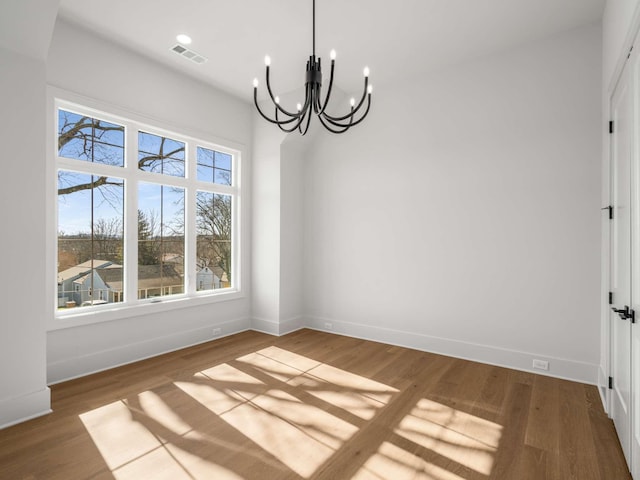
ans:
x=81 y=279
x=149 y=276
x=83 y=268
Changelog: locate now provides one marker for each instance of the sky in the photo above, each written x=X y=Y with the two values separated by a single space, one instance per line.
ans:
x=88 y=139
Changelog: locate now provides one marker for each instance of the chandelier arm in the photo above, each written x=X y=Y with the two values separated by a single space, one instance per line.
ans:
x=308 y=123
x=299 y=119
x=255 y=101
x=366 y=112
x=326 y=99
x=309 y=93
x=338 y=124
x=343 y=128
x=291 y=129
x=273 y=99
x=316 y=103
x=316 y=92
x=362 y=99
x=351 y=122
x=276 y=121
x=284 y=122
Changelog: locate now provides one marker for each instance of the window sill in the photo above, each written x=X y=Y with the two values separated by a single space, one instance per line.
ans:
x=89 y=316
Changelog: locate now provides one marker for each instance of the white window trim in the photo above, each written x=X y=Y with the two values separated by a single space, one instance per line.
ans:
x=58 y=98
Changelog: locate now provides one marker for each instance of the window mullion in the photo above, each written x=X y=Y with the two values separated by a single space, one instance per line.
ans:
x=190 y=223
x=131 y=216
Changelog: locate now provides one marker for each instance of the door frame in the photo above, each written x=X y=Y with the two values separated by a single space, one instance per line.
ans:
x=604 y=371
x=623 y=233
x=627 y=58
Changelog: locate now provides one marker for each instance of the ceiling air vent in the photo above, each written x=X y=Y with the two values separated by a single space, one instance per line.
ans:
x=189 y=54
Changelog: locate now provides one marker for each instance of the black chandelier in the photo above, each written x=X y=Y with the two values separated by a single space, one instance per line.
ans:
x=300 y=120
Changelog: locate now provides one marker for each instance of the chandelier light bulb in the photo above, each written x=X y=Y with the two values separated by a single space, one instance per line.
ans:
x=277 y=100
x=299 y=107
x=267 y=60
x=366 y=71
x=370 y=89
x=353 y=102
x=255 y=83
x=332 y=54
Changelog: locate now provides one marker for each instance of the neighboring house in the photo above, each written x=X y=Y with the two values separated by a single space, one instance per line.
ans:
x=206 y=279
x=153 y=281
x=81 y=284
x=78 y=284
x=159 y=280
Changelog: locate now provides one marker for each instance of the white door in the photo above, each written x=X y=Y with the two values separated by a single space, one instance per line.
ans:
x=621 y=109
x=633 y=137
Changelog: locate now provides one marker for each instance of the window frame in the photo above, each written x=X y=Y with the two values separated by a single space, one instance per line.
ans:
x=132 y=176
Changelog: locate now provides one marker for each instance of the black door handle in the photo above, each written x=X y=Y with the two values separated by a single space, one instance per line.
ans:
x=624 y=313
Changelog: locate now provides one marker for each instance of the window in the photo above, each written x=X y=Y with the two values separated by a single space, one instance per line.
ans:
x=143 y=214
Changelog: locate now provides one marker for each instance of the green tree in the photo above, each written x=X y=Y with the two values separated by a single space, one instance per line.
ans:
x=149 y=246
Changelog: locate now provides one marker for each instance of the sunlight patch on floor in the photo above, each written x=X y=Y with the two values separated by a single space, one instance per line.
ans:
x=285 y=441
x=391 y=462
x=293 y=421
x=152 y=405
x=314 y=422
x=268 y=366
x=221 y=388
x=172 y=463
x=299 y=362
x=466 y=439
x=353 y=393
x=118 y=437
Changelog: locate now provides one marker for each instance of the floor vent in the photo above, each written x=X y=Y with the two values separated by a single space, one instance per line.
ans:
x=189 y=54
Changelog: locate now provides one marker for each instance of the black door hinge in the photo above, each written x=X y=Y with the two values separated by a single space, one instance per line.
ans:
x=610 y=298
x=610 y=208
x=610 y=383
x=610 y=126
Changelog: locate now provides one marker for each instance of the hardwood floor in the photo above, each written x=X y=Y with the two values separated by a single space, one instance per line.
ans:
x=319 y=406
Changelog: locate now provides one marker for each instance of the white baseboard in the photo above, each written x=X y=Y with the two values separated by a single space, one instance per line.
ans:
x=291 y=325
x=603 y=388
x=558 y=367
x=80 y=366
x=263 y=325
x=25 y=407
x=276 y=328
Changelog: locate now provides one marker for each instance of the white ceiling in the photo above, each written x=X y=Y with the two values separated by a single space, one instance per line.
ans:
x=395 y=39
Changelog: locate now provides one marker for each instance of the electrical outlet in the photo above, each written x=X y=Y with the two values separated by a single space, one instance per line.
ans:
x=217 y=331
x=540 y=364
x=328 y=326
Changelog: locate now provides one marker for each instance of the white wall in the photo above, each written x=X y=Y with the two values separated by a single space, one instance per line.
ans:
x=277 y=303
x=265 y=214
x=463 y=216
x=90 y=66
x=23 y=389
x=293 y=153
x=23 y=386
